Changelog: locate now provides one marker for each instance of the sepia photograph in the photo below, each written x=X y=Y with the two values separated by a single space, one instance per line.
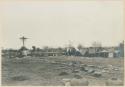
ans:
x=62 y=43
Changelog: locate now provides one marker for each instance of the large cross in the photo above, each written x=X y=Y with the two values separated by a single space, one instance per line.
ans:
x=23 y=40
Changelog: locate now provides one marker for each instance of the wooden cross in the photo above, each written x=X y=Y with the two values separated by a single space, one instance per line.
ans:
x=23 y=40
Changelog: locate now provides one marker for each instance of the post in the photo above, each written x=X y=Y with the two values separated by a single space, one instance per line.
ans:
x=23 y=40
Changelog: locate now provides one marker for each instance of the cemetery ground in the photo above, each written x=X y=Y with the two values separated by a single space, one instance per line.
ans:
x=50 y=71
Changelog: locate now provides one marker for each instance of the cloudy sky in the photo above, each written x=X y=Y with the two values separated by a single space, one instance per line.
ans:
x=58 y=23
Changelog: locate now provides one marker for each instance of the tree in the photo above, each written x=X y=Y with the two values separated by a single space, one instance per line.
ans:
x=73 y=51
x=38 y=49
x=79 y=47
x=34 y=48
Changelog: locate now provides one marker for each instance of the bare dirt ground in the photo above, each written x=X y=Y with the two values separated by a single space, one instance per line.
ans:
x=49 y=71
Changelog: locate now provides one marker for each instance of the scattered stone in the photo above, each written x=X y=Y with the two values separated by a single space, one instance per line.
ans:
x=91 y=71
x=105 y=71
x=83 y=65
x=53 y=62
x=75 y=63
x=63 y=73
x=116 y=69
x=105 y=68
x=77 y=76
x=93 y=66
x=66 y=82
x=17 y=58
x=82 y=68
x=97 y=74
x=75 y=82
x=79 y=82
x=100 y=67
x=63 y=63
x=70 y=64
x=75 y=71
x=110 y=67
x=86 y=69
x=114 y=82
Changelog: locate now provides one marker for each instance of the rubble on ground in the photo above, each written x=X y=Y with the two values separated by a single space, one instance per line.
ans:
x=77 y=76
x=63 y=73
x=97 y=74
x=79 y=82
x=114 y=82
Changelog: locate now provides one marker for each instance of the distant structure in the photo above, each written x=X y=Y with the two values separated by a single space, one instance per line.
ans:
x=121 y=49
x=23 y=40
x=23 y=50
x=96 y=50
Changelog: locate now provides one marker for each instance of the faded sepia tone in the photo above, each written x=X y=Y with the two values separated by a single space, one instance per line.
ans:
x=62 y=43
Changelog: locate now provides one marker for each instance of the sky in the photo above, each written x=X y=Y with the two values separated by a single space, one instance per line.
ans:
x=58 y=23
